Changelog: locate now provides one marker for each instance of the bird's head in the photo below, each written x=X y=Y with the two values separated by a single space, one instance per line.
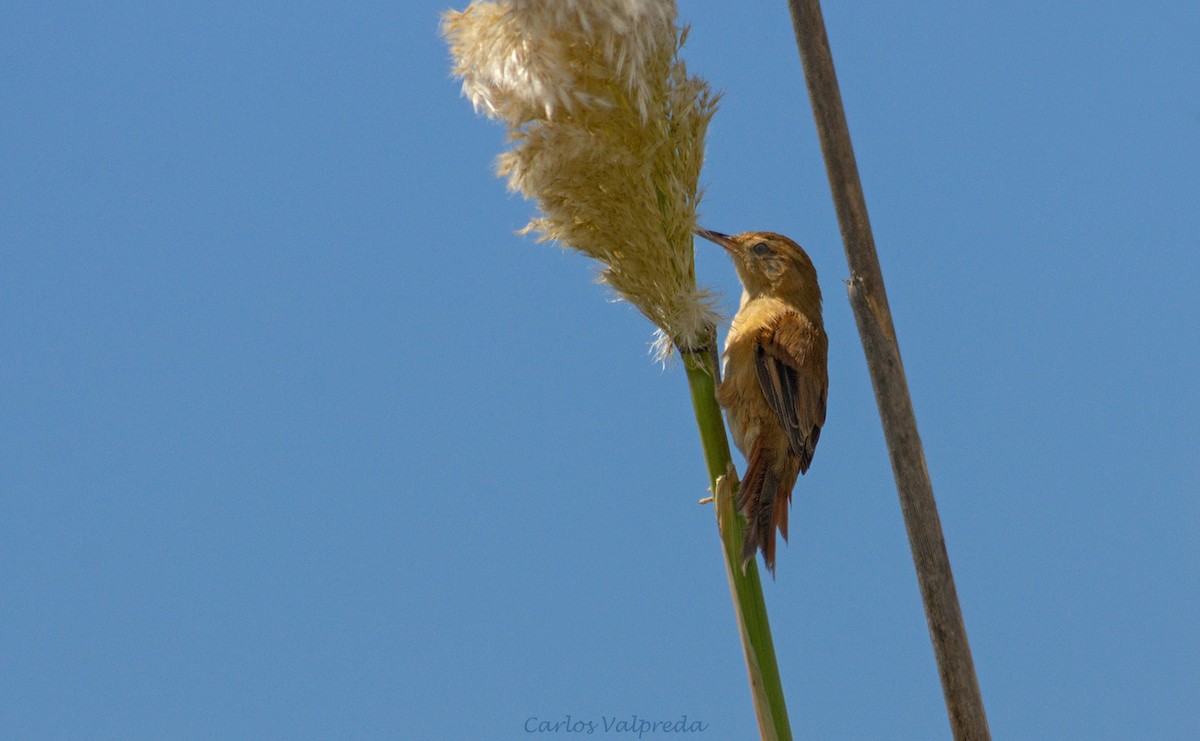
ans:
x=770 y=264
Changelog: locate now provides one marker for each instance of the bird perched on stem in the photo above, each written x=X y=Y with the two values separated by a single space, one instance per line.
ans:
x=776 y=379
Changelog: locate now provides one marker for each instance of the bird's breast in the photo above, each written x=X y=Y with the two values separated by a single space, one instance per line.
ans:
x=741 y=393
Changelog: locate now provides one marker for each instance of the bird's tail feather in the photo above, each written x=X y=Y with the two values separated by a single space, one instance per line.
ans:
x=763 y=499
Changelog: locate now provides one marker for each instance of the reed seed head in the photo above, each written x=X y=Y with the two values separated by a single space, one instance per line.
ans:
x=606 y=131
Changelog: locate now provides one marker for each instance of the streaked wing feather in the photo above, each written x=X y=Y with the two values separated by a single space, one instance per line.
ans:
x=790 y=359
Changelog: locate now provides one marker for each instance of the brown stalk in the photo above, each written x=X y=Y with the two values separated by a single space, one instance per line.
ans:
x=964 y=703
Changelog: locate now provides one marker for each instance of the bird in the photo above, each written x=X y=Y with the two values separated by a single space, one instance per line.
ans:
x=776 y=378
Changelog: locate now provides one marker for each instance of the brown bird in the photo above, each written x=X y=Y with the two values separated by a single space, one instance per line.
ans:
x=776 y=378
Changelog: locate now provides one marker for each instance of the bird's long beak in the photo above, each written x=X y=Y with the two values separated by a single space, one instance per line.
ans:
x=718 y=238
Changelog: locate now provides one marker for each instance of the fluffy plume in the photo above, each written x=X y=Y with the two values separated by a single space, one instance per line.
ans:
x=607 y=132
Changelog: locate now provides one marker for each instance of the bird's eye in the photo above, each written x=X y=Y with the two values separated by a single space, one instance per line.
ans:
x=762 y=249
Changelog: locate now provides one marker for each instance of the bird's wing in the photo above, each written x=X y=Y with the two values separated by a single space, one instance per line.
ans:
x=790 y=355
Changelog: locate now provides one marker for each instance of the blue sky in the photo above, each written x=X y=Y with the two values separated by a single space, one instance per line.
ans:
x=299 y=440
